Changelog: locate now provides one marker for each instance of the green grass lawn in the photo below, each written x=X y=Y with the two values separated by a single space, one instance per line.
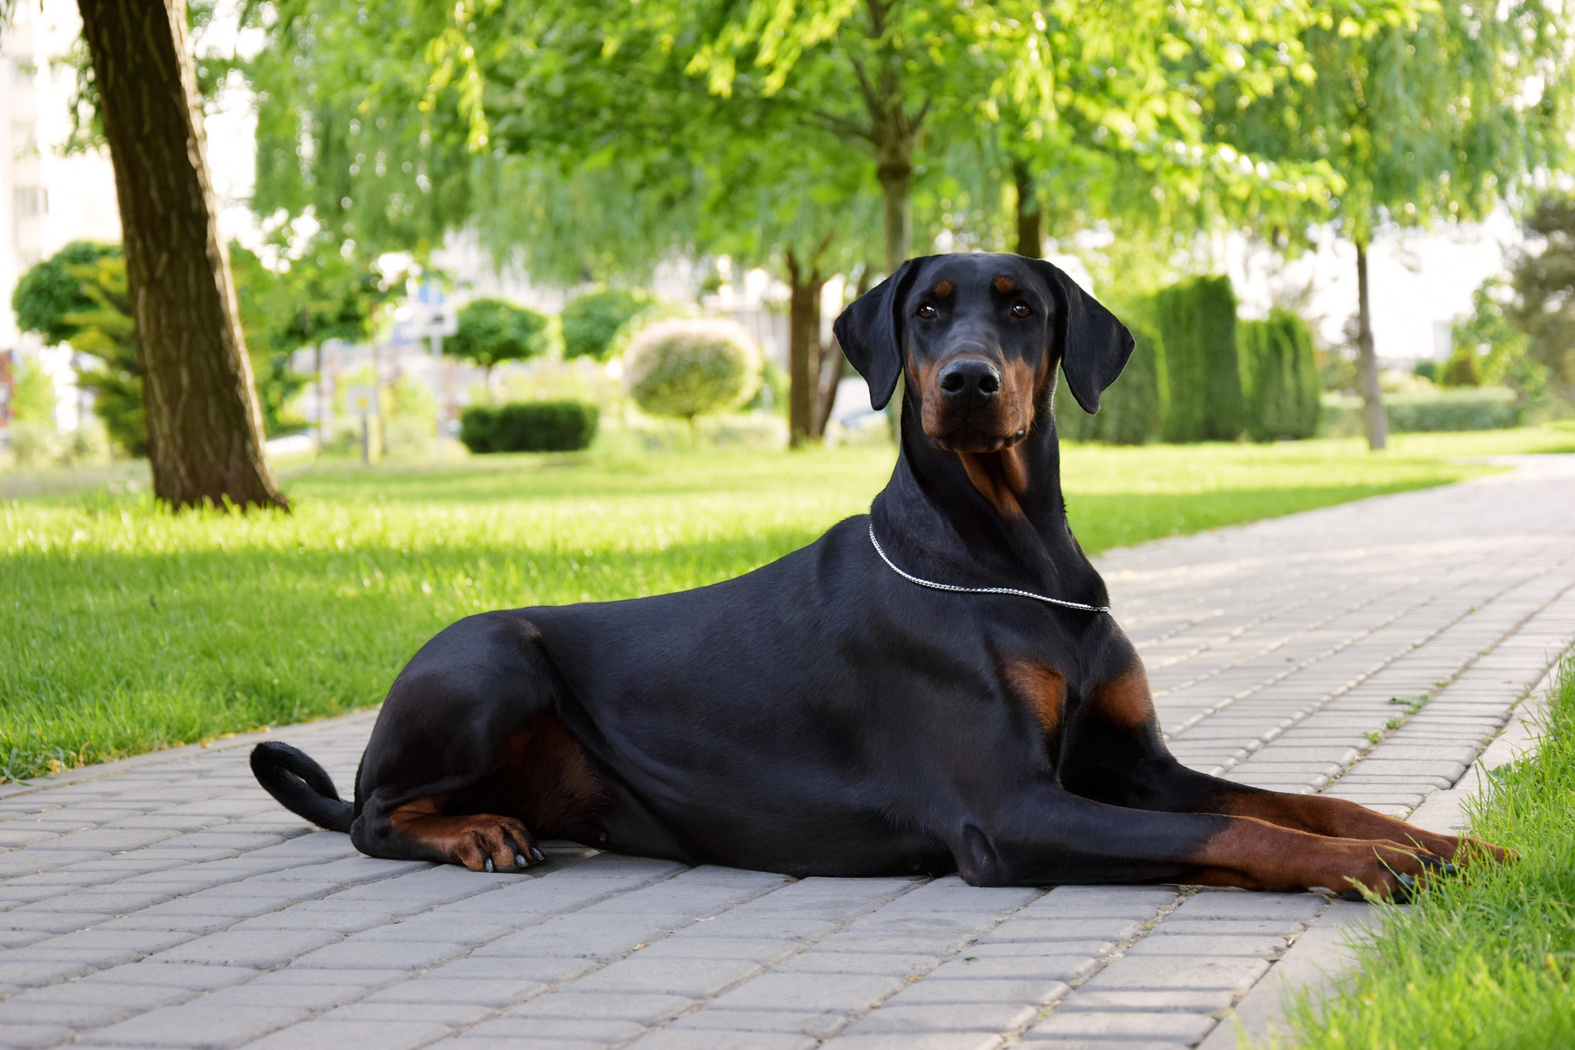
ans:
x=127 y=628
x=1484 y=961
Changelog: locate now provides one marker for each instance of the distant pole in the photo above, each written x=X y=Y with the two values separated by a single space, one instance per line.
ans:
x=441 y=386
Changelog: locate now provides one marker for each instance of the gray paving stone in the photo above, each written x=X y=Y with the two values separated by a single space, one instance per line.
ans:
x=985 y=1040
x=793 y=1022
x=810 y=991
x=646 y=1009
x=1180 y=1027
x=716 y=1040
x=197 y=1024
x=945 y=1017
x=27 y=1036
x=329 y=1034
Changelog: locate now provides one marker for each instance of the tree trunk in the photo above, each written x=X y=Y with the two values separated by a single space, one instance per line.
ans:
x=1030 y=213
x=1374 y=419
x=894 y=170
x=830 y=374
x=205 y=437
x=804 y=284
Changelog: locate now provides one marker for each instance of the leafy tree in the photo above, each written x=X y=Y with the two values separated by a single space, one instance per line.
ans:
x=80 y=296
x=33 y=397
x=1544 y=282
x=1427 y=112
x=591 y=319
x=492 y=331
x=205 y=437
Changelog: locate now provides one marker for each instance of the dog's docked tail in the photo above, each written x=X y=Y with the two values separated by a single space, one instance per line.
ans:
x=301 y=785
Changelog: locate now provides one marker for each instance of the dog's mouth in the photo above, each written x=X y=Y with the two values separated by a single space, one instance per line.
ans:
x=969 y=437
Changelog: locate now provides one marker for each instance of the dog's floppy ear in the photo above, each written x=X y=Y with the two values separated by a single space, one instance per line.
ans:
x=870 y=332
x=1094 y=345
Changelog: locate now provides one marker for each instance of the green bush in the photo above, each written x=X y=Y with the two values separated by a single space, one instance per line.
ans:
x=492 y=331
x=686 y=369
x=1130 y=412
x=1197 y=327
x=1285 y=385
x=591 y=320
x=529 y=426
x=1469 y=408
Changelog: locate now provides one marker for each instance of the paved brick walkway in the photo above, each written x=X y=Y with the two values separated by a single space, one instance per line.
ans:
x=166 y=901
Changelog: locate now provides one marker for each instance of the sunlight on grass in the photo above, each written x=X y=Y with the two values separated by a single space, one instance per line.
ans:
x=129 y=628
x=1484 y=961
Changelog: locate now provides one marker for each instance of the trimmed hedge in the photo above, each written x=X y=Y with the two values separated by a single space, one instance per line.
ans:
x=1197 y=327
x=1278 y=353
x=1471 y=408
x=529 y=426
x=1130 y=412
x=1480 y=408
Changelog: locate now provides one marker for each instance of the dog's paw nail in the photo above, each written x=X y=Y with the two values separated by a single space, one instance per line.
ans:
x=486 y=866
x=536 y=853
x=519 y=860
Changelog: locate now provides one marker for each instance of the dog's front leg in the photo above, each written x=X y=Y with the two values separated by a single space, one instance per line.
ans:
x=1114 y=753
x=1044 y=834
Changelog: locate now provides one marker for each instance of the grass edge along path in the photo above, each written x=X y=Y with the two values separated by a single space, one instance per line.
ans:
x=1486 y=960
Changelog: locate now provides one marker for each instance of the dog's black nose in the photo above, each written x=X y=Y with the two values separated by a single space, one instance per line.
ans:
x=969 y=376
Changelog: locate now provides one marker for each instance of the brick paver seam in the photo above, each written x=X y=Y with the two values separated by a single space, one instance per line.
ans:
x=1253 y=746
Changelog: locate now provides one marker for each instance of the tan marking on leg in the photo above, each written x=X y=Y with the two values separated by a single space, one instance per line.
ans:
x=1042 y=687
x=1125 y=701
x=1342 y=818
x=1255 y=854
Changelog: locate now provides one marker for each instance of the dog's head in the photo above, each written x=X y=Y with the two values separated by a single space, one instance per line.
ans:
x=979 y=337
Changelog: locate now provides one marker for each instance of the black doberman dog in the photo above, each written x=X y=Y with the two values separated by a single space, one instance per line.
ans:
x=827 y=714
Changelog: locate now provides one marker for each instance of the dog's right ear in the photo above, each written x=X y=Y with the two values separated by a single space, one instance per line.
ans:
x=870 y=332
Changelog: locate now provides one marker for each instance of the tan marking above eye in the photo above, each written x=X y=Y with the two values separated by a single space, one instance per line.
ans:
x=1005 y=284
x=943 y=289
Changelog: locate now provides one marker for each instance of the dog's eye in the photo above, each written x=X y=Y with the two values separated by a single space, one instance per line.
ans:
x=927 y=311
x=1021 y=310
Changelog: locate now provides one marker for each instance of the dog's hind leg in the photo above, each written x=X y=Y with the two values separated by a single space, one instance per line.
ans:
x=468 y=755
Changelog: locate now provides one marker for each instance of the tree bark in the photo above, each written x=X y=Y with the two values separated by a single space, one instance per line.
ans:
x=1030 y=213
x=804 y=286
x=205 y=437
x=1374 y=419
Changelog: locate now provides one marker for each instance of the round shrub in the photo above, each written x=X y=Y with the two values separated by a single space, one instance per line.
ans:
x=529 y=426
x=686 y=369
x=591 y=320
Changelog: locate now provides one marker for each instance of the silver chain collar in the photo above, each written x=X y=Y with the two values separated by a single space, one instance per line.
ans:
x=979 y=590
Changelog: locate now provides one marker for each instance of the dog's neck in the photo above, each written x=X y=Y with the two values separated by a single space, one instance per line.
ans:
x=989 y=519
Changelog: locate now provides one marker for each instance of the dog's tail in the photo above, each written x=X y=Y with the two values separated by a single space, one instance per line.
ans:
x=301 y=785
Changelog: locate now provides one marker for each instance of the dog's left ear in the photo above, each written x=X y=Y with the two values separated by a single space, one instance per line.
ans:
x=870 y=332
x=1094 y=345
